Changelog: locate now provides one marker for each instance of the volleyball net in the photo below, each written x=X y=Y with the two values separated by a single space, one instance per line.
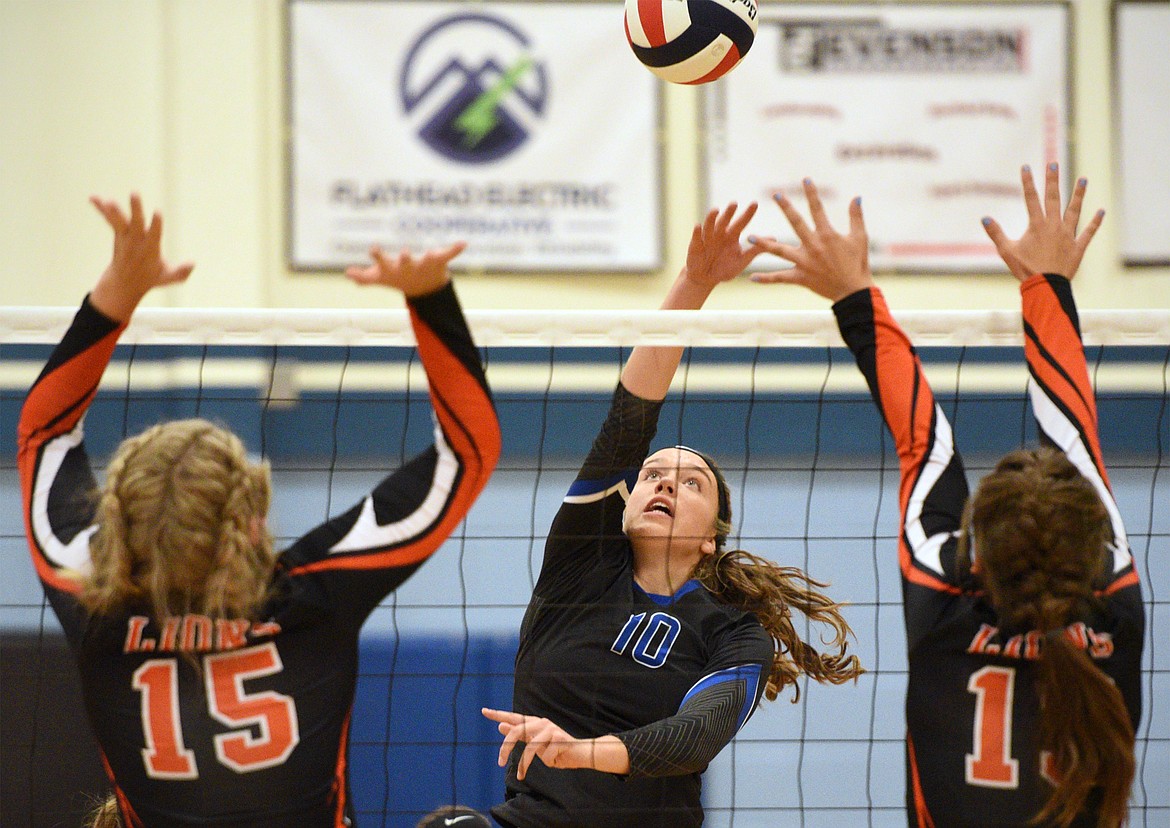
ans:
x=334 y=399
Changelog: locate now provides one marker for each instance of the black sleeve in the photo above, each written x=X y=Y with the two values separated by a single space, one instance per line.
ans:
x=589 y=522
x=711 y=712
x=362 y=555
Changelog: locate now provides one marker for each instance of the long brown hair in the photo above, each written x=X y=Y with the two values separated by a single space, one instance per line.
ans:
x=1040 y=534
x=768 y=591
x=181 y=526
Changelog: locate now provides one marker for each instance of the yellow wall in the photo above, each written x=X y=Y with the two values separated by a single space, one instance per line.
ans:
x=183 y=100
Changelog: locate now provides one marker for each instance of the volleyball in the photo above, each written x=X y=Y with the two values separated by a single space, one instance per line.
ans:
x=690 y=41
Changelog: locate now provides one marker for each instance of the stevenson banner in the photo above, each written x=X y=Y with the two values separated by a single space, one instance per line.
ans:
x=525 y=128
x=927 y=111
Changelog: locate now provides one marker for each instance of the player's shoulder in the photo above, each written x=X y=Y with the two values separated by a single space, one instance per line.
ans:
x=716 y=617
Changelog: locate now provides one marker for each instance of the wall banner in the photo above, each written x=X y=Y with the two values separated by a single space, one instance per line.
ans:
x=525 y=128
x=1141 y=128
x=926 y=111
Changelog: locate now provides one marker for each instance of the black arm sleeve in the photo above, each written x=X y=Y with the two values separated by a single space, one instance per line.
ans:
x=687 y=741
x=624 y=438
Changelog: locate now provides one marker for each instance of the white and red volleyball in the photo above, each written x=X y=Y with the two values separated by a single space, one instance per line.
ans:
x=690 y=41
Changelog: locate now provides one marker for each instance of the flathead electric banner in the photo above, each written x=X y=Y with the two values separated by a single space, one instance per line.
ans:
x=527 y=129
x=927 y=111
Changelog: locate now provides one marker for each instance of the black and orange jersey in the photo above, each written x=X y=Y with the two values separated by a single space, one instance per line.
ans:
x=673 y=676
x=244 y=722
x=972 y=711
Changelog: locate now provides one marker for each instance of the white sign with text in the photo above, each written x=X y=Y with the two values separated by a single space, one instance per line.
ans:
x=527 y=129
x=926 y=111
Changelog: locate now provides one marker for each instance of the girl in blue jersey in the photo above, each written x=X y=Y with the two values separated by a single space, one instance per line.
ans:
x=1023 y=612
x=647 y=643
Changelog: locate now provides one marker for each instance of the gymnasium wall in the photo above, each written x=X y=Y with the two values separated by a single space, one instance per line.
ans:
x=184 y=101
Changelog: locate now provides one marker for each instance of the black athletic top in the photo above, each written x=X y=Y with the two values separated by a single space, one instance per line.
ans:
x=971 y=708
x=255 y=735
x=673 y=676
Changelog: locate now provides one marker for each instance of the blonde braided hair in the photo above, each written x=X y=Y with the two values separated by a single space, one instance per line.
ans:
x=180 y=526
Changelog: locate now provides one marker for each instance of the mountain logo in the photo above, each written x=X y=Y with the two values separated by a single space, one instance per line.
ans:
x=473 y=88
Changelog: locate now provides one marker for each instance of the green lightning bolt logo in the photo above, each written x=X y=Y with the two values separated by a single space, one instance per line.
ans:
x=480 y=117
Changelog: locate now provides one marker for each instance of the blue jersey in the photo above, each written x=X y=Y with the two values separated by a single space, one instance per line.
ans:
x=598 y=655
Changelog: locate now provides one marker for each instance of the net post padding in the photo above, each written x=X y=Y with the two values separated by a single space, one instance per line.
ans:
x=542 y=328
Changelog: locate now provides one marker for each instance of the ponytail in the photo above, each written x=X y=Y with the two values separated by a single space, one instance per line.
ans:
x=1086 y=726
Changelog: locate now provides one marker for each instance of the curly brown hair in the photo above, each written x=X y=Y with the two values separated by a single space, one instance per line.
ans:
x=1041 y=534
x=769 y=591
x=180 y=526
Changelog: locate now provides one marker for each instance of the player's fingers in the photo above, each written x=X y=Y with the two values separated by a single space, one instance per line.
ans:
x=362 y=275
x=137 y=221
x=856 y=218
x=1072 y=213
x=154 y=231
x=1052 y=191
x=725 y=215
x=790 y=276
x=502 y=715
x=816 y=208
x=740 y=222
x=174 y=275
x=111 y=213
x=776 y=248
x=1031 y=198
x=708 y=225
x=382 y=263
x=1090 y=230
x=443 y=255
x=795 y=219
x=526 y=759
x=994 y=232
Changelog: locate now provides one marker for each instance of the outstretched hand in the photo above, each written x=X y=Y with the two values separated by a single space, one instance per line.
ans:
x=555 y=747
x=136 y=265
x=414 y=275
x=714 y=254
x=1050 y=244
x=826 y=262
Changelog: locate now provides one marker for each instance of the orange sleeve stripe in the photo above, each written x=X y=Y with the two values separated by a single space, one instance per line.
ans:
x=468 y=419
x=463 y=407
x=51 y=409
x=908 y=406
x=917 y=576
x=1129 y=579
x=1068 y=380
x=921 y=812
x=341 y=774
x=123 y=802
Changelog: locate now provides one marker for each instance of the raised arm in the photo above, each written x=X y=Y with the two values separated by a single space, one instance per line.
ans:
x=933 y=485
x=1045 y=259
x=714 y=255
x=410 y=513
x=55 y=476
